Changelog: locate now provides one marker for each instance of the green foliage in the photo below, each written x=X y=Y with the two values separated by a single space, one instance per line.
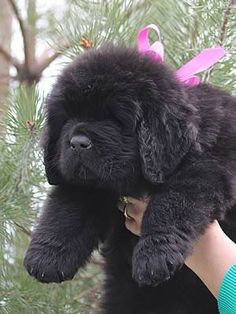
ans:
x=103 y=21
x=186 y=27
x=21 y=175
x=19 y=293
x=22 y=190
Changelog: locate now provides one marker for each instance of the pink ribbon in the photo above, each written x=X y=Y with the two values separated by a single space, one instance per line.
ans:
x=186 y=74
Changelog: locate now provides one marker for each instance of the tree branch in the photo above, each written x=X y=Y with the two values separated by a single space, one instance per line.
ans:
x=23 y=31
x=44 y=62
x=48 y=57
x=8 y=57
x=225 y=20
x=23 y=229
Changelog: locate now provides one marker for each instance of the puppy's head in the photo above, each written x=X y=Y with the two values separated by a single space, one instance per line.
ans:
x=113 y=117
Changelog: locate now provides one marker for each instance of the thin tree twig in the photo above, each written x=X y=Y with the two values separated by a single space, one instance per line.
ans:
x=43 y=64
x=23 y=229
x=48 y=57
x=223 y=29
x=225 y=20
x=10 y=59
x=44 y=61
x=23 y=30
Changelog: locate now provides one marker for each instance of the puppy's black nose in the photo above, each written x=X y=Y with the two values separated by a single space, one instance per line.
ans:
x=79 y=142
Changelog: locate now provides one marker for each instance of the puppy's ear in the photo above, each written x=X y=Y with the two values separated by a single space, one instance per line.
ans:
x=166 y=132
x=48 y=143
x=54 y=122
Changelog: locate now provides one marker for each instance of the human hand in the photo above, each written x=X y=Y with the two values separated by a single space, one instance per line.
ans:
x=134 y=211
x=150 y=263
x=206 y=260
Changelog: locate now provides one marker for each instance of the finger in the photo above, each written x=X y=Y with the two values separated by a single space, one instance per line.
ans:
x=132 y=223
x=135 y=201
x=132 y=226
x=136 y=211
x=132 y=212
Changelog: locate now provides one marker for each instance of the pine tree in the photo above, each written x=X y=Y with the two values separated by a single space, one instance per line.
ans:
x=5 y=39
x=187 y=27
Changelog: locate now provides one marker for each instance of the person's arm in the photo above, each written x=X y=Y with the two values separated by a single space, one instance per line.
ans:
x=213 y=258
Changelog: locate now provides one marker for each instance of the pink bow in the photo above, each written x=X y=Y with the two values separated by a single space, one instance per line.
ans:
x=186 y=74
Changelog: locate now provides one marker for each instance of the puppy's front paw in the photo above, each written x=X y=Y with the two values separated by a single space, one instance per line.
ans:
x=155 y=259
x=48 y=264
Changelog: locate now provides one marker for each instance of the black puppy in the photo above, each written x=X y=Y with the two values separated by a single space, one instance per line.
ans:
x=119 y=123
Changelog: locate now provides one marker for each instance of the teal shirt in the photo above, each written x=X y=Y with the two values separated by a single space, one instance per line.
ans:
x=227 y=293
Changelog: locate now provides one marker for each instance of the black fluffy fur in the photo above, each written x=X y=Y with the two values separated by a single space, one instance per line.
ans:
x=150 y=134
